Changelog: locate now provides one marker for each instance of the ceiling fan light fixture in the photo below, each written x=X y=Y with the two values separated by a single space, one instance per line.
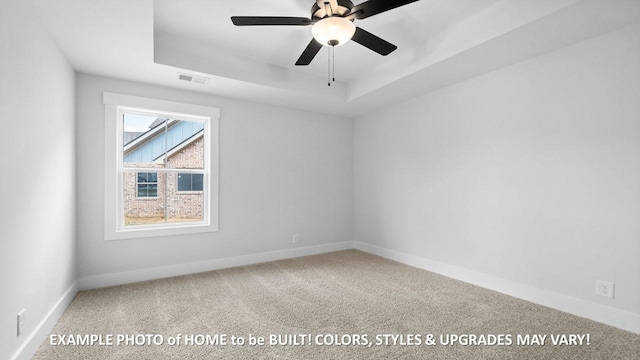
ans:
x=333 y=31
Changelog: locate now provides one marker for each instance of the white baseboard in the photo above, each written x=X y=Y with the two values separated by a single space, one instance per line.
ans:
x=39 y=334
x=596 y=312
x=98 y=281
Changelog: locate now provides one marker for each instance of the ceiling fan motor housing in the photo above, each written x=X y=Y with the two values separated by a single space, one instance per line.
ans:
x=344 y=7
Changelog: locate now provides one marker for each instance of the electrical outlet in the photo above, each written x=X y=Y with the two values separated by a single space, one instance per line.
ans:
x=605 y=288
x=296 y=238
x=21 y=321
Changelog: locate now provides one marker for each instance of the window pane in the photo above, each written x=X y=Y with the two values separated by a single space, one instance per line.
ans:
x=151 y=141
x=143 y=140
x=196 y=182
x=143 y=203
x=185 y=145
x=142 y=190
x=184 y=182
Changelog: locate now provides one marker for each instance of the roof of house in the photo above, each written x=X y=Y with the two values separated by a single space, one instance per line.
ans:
x=129 y=136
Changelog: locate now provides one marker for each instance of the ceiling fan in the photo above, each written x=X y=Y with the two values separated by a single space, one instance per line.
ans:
x=333 y=26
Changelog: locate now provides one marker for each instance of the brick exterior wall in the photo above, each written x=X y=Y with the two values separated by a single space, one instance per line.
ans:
x=181 y=206
x=190 y=157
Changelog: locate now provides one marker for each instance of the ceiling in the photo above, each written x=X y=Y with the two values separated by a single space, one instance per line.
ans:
x=440 y=42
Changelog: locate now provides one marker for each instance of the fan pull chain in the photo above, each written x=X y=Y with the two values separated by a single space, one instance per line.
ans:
x=333 y=70
x=329 y=66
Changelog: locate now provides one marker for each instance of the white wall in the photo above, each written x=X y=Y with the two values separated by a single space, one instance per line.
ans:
x=282 y=172
x=529 y=174
x=37 y=183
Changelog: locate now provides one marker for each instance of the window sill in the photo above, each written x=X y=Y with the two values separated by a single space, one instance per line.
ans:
x=169 y=229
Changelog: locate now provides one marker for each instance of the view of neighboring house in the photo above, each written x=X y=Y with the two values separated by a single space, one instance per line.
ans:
x=156 y=197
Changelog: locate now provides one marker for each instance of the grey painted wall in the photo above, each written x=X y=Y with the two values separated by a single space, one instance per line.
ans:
x=530 y=173
x=282 y=172
x=37 y=183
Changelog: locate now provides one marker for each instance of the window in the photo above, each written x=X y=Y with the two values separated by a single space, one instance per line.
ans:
x=161 y=167
x=147 y=184
x=190 y=182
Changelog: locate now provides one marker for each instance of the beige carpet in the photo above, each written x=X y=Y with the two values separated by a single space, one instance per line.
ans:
x=350 y=294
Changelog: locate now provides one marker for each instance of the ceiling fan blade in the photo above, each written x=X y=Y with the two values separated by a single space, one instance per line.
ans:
x=374 y=7
x=270 y=20
x=309 y=53
x=373 y=42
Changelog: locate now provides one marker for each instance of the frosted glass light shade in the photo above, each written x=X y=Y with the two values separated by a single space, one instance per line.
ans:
x=329 y=30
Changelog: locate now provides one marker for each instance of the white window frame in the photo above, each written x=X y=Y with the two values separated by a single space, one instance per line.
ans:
x=115 y=104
